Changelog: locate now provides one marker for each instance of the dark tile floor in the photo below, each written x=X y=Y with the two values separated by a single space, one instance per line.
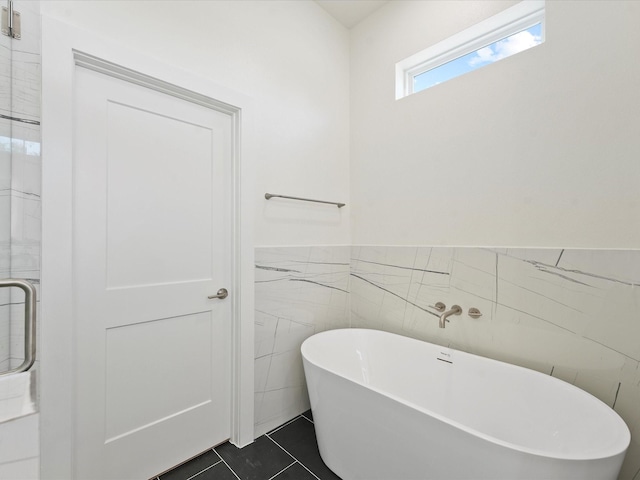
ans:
x=289 y=452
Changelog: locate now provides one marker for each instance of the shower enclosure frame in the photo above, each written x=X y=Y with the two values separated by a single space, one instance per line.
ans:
x=59 y=43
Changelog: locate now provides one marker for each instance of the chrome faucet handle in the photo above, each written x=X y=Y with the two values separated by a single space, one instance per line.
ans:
x=441 y=307
x=455 y=310
x=474 y=313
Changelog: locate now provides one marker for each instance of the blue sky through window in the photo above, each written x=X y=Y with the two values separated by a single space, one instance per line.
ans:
x=491 y=53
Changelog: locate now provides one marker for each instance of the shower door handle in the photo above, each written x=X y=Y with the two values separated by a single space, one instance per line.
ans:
x=29 y=322
x=221 y=294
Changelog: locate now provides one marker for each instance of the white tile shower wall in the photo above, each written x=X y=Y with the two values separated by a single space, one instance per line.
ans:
x=5 y=198
x=20 y=448
x=573 y=314
x=25 y=182
x=299 y=291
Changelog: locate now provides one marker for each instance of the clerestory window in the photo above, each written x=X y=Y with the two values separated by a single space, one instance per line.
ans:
x=512 y=31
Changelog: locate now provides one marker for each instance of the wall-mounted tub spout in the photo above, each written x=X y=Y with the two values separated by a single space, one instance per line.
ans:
x=455 y=310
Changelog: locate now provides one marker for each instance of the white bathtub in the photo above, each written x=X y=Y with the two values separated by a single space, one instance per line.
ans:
x=390 y=407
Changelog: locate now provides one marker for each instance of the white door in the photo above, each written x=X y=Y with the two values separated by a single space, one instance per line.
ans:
x=152 y=241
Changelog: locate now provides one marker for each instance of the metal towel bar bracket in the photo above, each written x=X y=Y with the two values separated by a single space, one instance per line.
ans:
x=29 y=323
x=272 y=195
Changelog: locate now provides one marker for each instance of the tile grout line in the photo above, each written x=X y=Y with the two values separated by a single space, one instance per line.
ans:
x=306 y=418
x=280 y=446
x=285 y=468
x=231 y=469
x=202 y=471
x=303 y=465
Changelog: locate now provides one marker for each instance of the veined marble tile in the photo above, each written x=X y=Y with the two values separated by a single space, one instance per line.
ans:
x=430 y=279
x=264 y=334
x=549 y=297
x=627 y=401
x=279 y=406
x=26 y=164
x=5 y=255
x=5 y=73
x=19 y=458
x=548 y=256
x=5 y=231
x=25 y=261
x=474 y=273
x=26 y=221
x=615 y=321
x=395 y=279
x=20 y=168
x=390 y=279
x=260 y=375
x=573 y=314
x=285 y=371
x=379 y=255
x=25 y=78
x=5 y=153
x=569 y=313
x=479 y=259
x=615 y=266
x=299 y=291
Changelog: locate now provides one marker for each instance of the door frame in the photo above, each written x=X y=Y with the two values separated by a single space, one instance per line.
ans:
x=63 y=48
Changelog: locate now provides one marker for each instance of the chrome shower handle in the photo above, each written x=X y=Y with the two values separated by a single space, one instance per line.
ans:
x=30 y=307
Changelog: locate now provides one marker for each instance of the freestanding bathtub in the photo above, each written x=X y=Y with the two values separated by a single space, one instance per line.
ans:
x=391 y=407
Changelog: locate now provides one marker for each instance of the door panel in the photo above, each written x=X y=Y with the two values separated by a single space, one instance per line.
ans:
x=148 y=172
x=151 y=242
x=160 y=388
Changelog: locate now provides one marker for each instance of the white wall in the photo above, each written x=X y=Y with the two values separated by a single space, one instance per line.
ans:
x=291 y=59
x=539 y=149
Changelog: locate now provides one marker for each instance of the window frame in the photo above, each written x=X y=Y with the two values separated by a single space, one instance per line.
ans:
x=504 y=24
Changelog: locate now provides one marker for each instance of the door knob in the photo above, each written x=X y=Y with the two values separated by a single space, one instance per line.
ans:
x=222 y=293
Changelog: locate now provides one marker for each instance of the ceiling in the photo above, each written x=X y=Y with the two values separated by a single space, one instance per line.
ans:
x=350 y=12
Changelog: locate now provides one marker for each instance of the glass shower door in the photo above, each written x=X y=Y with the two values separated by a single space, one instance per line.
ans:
x=6 y=44
x=19 y=172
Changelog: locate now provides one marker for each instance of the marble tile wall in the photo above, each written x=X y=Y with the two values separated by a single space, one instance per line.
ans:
x=5 y=198
x=20 y=455
x=299 y=291
x=573 y=314
x=20 y=175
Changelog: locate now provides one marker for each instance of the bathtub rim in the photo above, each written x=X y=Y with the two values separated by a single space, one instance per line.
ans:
x=512 y=446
